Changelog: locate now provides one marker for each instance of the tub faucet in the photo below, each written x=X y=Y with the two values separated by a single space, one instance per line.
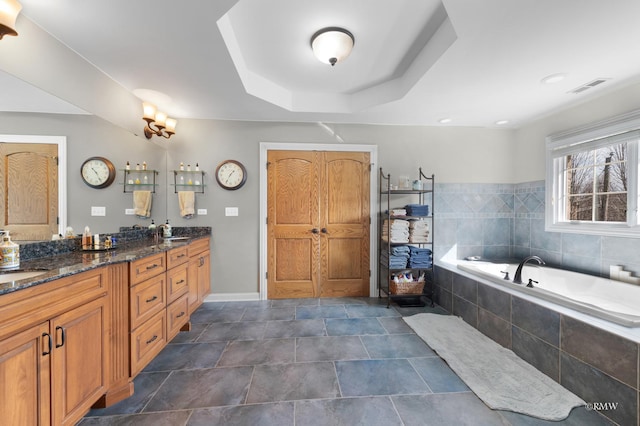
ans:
x=517 y=279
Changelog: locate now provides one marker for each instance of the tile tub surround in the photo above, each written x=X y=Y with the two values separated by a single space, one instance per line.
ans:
x=507 y=221
x=597 y=365
x=305 y=362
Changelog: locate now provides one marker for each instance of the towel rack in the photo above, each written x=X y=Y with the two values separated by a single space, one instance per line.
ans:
x=140 y=180
x=188 y=180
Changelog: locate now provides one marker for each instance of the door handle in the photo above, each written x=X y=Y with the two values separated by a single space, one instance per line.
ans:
x=324 y=231
x=47 y=335
x=314 y=230
x=62 y=336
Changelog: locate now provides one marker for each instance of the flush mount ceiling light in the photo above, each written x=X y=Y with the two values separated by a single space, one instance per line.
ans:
x=157 y=122
x=9 y=10
x=332 y=44
x=445 y=121
x=502 y=122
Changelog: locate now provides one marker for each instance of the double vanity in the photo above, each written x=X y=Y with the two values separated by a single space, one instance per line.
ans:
x=76 y=328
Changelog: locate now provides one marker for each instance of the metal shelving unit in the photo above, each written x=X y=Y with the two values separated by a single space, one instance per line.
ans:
x=385 y=271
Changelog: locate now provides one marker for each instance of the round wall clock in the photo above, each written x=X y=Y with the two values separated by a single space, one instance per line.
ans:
x=231 y=174
x=98 y=172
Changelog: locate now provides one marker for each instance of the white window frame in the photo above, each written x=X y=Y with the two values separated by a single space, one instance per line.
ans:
x=608 y=132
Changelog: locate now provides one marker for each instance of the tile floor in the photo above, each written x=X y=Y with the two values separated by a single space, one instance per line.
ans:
x=305 y=362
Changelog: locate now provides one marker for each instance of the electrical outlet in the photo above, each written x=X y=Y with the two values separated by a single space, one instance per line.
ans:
x=231 y=211
x=129 y=212
x=202 y=212
x=98 y=211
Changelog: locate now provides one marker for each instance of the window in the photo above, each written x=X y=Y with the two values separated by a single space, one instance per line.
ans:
x=592 y=179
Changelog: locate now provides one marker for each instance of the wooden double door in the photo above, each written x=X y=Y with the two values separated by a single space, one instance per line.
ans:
x=318 y=220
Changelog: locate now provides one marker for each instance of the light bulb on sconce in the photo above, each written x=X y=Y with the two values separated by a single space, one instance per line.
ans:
x=157 y=122
x=9 y=10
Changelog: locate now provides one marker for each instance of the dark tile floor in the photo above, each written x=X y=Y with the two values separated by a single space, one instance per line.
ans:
x=305 y=362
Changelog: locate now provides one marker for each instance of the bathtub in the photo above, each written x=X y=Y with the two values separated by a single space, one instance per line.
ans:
x=610 y=300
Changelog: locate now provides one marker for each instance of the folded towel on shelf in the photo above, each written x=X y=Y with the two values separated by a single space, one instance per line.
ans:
x=417 y=209
x=187 y=201
x=142 y=203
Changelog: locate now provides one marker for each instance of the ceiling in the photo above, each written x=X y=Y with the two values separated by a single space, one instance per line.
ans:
x=414 y=62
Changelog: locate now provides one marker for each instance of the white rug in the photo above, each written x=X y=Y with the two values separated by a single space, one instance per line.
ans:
x=495 y=374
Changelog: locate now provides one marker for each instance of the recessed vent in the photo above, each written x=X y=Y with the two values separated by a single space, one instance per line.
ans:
x=589 y=85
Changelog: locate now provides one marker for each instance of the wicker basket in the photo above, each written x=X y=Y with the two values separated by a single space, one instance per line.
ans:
x=413 y=287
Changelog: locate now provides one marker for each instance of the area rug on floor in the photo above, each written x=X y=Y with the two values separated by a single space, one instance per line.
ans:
x=495 y=374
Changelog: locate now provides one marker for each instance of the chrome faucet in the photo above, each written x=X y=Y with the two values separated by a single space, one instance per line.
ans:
x=517 y=279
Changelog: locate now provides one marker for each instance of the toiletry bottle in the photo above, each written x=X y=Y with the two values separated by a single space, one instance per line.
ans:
x=181 y=166
x=153 y=225
x=127 y=166
x=86 y=239
x=197 y=167
x=137 y=166
x=166 y=230
x=144 y=165
x=10 y=252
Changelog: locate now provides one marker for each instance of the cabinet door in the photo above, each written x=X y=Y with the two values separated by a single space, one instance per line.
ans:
x=78 y=361
x=24 y=377
x=204 y=272
x=192 y=281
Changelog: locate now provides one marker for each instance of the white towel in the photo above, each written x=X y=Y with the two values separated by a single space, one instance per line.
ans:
x=187 y=201
x=142 y=203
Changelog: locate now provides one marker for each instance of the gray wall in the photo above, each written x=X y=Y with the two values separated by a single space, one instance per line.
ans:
x=475 y=163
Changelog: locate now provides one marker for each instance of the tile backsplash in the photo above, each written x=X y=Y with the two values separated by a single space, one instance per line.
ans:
x=507 y=221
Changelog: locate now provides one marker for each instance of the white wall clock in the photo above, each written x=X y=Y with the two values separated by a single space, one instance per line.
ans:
x=231 y=174
x=98 y=172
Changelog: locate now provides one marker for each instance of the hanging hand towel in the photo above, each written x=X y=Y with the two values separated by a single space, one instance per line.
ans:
x=187 y=200
x=142 y=203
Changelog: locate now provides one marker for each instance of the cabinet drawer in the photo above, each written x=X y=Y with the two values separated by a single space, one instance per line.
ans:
x=147 y=341
x=147 y=267
x=198 y=246
x=177 y=316
x=146 y=300
x=177 y=284
x=176 y=257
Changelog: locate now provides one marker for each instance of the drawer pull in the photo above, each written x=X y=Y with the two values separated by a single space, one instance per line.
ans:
x=155 y=336
x=152 y=299
x=180 y=282
x=62 y=337
x=47 y=335
x=181 y=255
x=181 y=314
x=155 y=265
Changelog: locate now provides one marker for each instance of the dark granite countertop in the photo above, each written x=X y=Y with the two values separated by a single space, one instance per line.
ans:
x=74 y=262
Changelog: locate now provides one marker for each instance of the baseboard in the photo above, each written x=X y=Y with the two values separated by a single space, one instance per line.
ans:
x=232 y=297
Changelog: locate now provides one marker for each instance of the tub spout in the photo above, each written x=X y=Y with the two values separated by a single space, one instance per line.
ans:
x=517 y=279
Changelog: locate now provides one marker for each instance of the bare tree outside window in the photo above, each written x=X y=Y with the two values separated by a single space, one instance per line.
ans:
x=597 y=184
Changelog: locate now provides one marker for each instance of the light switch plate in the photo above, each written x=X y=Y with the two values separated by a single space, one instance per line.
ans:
x=98 y=211
x=129 y=212
x=202 y=212
x=231 y=211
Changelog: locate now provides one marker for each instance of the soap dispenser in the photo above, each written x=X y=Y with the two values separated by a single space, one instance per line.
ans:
x=9 y=252
x=153 y=225
x=166 y=230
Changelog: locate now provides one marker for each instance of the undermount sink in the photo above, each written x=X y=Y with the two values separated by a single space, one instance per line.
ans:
x=19 y=274
x=176 y=238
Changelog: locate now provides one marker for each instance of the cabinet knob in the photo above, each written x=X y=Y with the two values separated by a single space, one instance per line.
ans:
x=324 y=231
x=314 y=230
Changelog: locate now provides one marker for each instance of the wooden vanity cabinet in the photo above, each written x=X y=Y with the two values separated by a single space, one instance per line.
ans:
x=199 y=272
x=53 y=346
x=177 y=291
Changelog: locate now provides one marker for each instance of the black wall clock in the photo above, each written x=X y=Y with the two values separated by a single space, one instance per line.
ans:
x=231 y=174
x=98 y=172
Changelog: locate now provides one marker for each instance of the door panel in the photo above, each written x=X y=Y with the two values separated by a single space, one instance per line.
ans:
x=292 y=214
x=29 y=188
x=345 y=220
x=318 y=224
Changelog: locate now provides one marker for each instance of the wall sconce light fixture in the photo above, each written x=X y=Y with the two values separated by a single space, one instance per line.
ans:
x=331 y=45
x=9 y=10
x=157 y=122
